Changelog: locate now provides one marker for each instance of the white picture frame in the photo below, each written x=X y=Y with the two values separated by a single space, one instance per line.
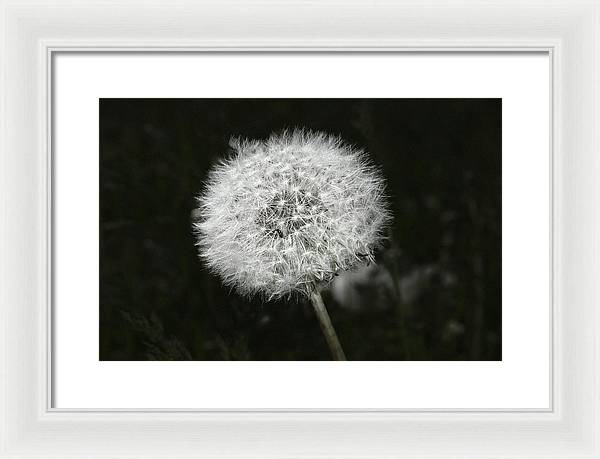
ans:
x=33 y=31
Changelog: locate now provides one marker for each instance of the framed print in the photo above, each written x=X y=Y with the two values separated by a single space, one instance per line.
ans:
x=292 y=230
x=404 y=312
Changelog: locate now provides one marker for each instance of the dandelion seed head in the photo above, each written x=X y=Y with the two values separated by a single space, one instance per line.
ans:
x=281 y=216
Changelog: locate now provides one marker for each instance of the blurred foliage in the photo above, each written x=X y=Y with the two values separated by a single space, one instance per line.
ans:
x=435 y=293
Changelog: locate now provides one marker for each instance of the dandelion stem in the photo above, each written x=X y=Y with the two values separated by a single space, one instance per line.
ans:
x=326 y=327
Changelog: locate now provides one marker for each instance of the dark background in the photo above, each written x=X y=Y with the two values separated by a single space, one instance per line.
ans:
x=435 y=293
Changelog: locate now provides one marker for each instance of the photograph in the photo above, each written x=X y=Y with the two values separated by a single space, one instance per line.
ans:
x=247 y=229
x=276 y=230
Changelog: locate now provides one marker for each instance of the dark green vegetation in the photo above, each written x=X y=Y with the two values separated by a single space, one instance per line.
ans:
x=435 y=293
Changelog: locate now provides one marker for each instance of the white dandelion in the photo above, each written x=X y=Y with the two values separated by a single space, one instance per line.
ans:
x=282 y=217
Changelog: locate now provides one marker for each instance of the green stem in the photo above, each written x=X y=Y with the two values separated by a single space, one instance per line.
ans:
x=326 y=327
